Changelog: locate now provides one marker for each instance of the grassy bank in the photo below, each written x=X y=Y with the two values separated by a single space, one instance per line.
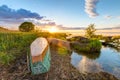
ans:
x=15 y=44
x=61 y=69
x=92 y=45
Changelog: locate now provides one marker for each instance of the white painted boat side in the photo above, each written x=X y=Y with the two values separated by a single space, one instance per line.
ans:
x=38 y=45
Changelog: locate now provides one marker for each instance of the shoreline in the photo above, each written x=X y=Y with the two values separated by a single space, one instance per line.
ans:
x=61 y=69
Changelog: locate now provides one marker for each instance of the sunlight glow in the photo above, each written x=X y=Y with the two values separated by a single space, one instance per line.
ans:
x=53 y=29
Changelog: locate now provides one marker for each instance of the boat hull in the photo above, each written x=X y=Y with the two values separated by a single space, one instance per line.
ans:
x=41 y=66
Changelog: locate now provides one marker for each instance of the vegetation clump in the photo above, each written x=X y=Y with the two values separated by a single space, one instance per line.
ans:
x=95 y=45
x=91 y=46
x=88 y=43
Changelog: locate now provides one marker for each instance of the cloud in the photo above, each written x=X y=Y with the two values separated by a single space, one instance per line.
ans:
x=90 y=8
x=8 y=13
x=11 y=18
x=111 y=17
x=108 y=16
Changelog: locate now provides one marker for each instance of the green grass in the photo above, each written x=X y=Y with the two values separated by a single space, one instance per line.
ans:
x=15 y=44
x=5 y=58
x=62 y=51
x=92 y=46
x=95 y=45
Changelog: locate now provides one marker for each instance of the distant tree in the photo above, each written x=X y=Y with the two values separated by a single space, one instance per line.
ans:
x=90 y=31
x=26 y=27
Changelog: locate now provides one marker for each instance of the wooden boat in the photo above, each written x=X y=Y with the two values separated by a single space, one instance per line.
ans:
x=39 y=57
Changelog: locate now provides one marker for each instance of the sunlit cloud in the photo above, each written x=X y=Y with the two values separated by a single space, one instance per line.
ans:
x=90 y=8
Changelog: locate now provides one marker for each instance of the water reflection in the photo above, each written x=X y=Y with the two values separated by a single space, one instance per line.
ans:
x=108 y=61
x=84 y=64
x=89 y=55
x=115 y=48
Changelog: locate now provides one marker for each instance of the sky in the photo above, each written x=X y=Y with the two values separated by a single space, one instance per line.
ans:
x=65 y=13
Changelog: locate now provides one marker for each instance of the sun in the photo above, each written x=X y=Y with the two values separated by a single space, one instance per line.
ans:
x=53 y=29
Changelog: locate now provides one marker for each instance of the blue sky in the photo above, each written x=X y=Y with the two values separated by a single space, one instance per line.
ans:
x=70 y=13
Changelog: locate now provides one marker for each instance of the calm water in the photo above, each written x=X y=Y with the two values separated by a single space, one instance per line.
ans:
x=108 y=61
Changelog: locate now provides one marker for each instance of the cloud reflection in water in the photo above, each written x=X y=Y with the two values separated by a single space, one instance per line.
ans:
x=84 y=64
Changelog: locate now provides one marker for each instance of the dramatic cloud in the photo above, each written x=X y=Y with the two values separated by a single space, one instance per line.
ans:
x=90 y=8
x=11 y=18
x=8 y=13
x=15 y=17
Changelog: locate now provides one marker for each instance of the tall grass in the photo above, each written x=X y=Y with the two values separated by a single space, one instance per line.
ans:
x=14 y=44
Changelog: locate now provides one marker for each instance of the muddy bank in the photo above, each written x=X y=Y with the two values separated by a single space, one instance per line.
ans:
x=61 y=69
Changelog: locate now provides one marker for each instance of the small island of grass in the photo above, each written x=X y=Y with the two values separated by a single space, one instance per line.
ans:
x=88 y=43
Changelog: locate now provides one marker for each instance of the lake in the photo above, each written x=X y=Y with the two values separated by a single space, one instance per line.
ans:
x=111 y=32
x=108 y=60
